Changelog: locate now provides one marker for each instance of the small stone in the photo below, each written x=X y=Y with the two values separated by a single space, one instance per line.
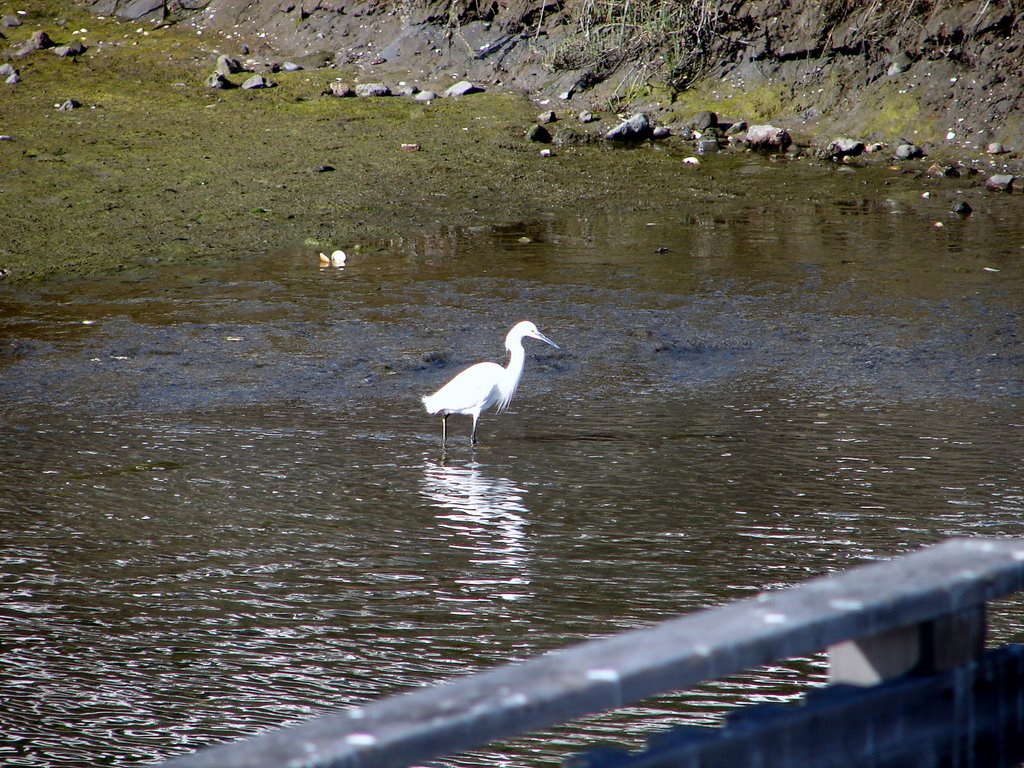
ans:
x=908 y=151
x=661 y=132
x=425 y=96
x=539 y=133
x=768 y=137
x=372 y=90
x=13 y=79
x=75 y=48
x=7 y=69
x=406 y=90
x=636 y=128
x=38 y=42
x=691 y=160
x=227 y=65
x=900 y=64
x=410 y=147
x=341 y=90
x=545 y=153
x=257 y=81
x=842 y=148
x=11 y=21
x=873 y=147
x=323 y=168
x=464 y=88
x=546 y=118
x=962 y=208
x=218 y=81
x=6 y=137
x=949 y=171
x=586 y=116
x=995 y=148
x=291 y=66
x=1001 y=182
x=704 y=120
x=69 y=105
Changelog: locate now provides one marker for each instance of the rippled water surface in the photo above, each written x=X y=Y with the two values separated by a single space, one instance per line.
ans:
x=223 y=508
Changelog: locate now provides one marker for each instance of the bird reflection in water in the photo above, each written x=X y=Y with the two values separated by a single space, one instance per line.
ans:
x=485 y=514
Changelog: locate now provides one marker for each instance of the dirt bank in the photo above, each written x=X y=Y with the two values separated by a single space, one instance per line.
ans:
x=935 y=72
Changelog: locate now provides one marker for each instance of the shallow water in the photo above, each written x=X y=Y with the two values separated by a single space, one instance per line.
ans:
x=224 y=509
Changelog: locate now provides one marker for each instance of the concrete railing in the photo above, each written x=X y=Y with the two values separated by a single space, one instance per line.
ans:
x=917 y=620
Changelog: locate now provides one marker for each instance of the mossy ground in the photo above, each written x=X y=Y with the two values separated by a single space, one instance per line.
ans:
x=157 y=168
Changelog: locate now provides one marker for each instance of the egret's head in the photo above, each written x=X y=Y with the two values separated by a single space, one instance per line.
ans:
x=526 y=330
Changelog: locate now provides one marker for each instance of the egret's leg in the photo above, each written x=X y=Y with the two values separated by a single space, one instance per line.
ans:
x=472 y=437
x=444 y=428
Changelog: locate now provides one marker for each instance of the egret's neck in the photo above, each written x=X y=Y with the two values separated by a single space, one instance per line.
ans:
x=517 y=357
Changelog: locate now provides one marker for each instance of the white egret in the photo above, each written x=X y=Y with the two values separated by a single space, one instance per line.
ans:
x=482 y=385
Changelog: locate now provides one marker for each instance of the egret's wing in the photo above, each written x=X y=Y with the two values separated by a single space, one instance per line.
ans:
x=473 y=390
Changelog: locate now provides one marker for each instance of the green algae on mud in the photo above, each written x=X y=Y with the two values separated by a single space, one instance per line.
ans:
x=157 y=168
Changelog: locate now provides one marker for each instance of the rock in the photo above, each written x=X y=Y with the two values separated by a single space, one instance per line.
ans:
x=7 y=70
x=13 y=79
x=586 y=116
x=38 y=42
x=908 y=151
x=69 y=105
x=636 y=128
x=735 y=129
x=1001 y=182
x=370 y=90
x=217 y=80
x=949 y=171
x=661 y=132
x=962 y=208
x=900 y=64
x=706 y=146
x=844 y=147
x=291 y=66
x=704 y=120
x=341 y=90
x=464 y=88
x=995 y=148
x=539 y=133
x=425 y=96
x=257 y=81
x=406 y=90
x=227 y=65
x=768 y=137
x=75 y=48
x=546 y=118
x=323 y=168
x=11 y=21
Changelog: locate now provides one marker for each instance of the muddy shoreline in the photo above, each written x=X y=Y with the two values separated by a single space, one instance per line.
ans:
x=155 y=167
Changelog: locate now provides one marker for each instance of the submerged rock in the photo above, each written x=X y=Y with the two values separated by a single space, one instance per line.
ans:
x=464 y=88
x=636 y=128
x=768 y=137
x=962 y=208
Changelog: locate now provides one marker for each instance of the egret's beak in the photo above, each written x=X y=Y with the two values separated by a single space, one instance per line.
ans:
x=541 y=337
